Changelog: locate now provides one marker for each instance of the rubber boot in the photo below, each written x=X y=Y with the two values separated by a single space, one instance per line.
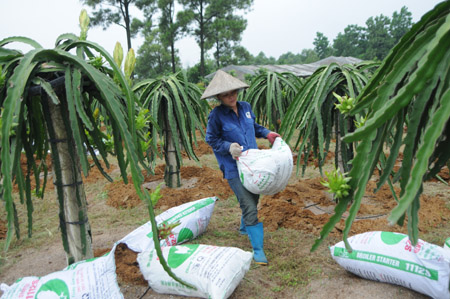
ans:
x=256 y=236
x=242 y=229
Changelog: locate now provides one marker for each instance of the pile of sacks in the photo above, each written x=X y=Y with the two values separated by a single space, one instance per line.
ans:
x=214 y=271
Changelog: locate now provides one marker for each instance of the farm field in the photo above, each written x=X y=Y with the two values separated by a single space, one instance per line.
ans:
x=292 y=219
x=371 y=120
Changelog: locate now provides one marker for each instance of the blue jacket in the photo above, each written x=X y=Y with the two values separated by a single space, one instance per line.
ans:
x=224 y=128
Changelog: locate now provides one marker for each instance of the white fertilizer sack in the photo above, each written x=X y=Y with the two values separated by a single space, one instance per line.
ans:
x=266 y=171
x=95 y=278
x=447 y=246
x=193 y=217
x=390 y=257
x=214 y=271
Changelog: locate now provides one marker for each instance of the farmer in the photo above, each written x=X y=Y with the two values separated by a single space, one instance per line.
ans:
x=232 y=129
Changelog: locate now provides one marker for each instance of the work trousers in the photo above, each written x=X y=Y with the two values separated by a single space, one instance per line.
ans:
x=247 y=201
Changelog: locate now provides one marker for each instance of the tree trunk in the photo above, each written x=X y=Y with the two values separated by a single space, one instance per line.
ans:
x=202 y=41
x=339 y=161
x=344 y=151
x=217 y=53
x=202 y=57
x=172 y=53
x=172 y=170
x=172 y=36
x=79 y=239
x=126 y=17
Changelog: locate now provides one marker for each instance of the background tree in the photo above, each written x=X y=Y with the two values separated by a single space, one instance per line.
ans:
x=193 y=73
x=108 y=12
x=238 y=55
x=154 y=55
x=226 y=35
x=350 y=43
x=290 y=58
x=262 y=59
x=170 y=29
x=401 y=23
x=376 y=39
x=379 y=41
x=309 y=56
x=322 y=45
x=153 y=58
x=304 y=57
x=203 y=13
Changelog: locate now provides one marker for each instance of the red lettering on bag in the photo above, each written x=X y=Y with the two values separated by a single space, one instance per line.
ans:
x=32 y=289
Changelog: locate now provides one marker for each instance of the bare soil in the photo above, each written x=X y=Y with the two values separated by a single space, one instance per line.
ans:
x=303 y=207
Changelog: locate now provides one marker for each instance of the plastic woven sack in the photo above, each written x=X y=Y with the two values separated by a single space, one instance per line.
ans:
x=447 y=245
x=390 y=257
x=95 y=278
x=266 y=171
x=214 y=271
x=193 y=217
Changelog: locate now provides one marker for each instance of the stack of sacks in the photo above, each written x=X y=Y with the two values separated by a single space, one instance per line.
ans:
x=214 y=271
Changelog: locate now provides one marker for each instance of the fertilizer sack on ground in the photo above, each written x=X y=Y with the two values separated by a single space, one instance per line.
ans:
x=214 y=271
x=447 y=246
x=390 y=257
x=266 y=171
x=95 y=278
x=193 y=218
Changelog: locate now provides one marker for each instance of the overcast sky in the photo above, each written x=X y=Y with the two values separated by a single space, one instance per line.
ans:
x=274 y=26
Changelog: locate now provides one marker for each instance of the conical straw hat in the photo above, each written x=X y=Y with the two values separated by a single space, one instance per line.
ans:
x=222 y=82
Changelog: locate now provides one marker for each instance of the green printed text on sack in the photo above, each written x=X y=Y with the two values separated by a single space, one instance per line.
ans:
x=387 y=261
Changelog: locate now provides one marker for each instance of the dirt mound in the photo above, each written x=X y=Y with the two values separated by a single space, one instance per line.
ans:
x=93 y=176
x=121 y=195
x=197 y=183
x=306 y=206
x=203 y=182
x=3 y=229
x=127 y=267
x=94 y=173
x=23 y=162
x=312 y=160
x=201 y=149
x=444 y=175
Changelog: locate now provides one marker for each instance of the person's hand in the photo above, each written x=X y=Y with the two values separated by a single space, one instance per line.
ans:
x=272 y=136
x=235 y=150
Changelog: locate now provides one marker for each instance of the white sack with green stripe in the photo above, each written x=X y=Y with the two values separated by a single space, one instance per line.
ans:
x=266 y=171
x=214 y=271
x=447 y=246
x=390 y=257
x=93 y=278
x=193 y=218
